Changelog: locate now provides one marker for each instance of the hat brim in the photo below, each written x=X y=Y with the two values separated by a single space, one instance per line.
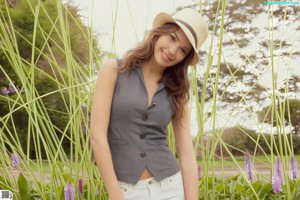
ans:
x=163 y=18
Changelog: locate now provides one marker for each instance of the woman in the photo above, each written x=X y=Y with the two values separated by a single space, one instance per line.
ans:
x=135 y=99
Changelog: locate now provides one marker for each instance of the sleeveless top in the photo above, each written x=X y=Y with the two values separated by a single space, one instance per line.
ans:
x=137 y=132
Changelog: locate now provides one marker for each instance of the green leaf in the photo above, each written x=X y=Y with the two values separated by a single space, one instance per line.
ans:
x=239 y=188
x=236 y=177
x=23 y=187
x=265 y=190
x=60 y=192
x=257 y=185
x=68 y=177
x=232 y=186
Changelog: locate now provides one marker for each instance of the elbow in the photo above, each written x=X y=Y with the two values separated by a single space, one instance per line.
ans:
x=93 y=139
x=92 y=134
x=96 y=137
x=189 y=163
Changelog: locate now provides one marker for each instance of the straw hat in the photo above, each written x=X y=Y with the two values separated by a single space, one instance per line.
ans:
x=192 y=24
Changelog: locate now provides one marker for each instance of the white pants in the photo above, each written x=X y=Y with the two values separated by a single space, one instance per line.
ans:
x=150 y=189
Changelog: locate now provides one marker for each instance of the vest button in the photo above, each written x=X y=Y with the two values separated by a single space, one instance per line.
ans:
x=145 y=117
x=154 y=103
x=142 y=136
x=143 y=155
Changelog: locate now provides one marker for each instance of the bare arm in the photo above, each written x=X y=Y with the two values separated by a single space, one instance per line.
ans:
x=186 y=154
x=99 y=126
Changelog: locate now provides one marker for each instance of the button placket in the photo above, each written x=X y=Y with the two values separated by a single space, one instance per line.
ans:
x=145 y=117
x=143 y=155
x=143 y=136
x=154 y=103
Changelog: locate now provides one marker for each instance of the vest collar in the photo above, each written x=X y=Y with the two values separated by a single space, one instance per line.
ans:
x=141 y=75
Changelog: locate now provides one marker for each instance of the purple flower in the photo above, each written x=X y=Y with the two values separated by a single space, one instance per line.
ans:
x=80 y=185
x=69 y=192
x=5 y=91
x=15 y=161
x=277 y=177
x=248 y=164
x=293 y=168
x=11 y=88
x=18 y=88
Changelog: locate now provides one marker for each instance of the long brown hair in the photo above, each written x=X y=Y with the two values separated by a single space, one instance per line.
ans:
x=175 y=78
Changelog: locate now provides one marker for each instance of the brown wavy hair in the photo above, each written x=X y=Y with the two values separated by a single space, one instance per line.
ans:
x=175 y=77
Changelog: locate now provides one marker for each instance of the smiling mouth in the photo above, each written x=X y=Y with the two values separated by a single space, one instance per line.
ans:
x=167 y=58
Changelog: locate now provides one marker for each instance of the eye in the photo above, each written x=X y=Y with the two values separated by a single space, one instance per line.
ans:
x=184 y=51
x=172 y=37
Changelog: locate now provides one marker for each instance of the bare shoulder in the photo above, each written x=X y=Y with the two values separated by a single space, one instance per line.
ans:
x=109 y=66
x=109 y=69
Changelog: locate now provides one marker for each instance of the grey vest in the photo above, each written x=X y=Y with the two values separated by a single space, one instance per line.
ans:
x=137 y=133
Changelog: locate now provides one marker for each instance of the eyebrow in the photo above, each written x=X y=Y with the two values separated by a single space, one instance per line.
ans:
x=179 y=40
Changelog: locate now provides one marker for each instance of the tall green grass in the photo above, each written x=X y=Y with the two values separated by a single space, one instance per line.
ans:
x=46 y=176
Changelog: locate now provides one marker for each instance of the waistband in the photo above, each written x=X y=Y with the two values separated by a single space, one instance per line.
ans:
x=151 y=181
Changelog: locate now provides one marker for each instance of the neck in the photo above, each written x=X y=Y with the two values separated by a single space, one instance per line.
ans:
x=151 y=69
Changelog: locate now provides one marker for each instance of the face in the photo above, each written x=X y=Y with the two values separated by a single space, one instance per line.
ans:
x=171 y=49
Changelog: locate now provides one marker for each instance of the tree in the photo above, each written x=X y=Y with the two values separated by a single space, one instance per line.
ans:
x=244 y=73
x=291 y=113
x=39 y=43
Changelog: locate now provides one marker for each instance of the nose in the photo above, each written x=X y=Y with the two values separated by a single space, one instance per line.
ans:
x=173 y=49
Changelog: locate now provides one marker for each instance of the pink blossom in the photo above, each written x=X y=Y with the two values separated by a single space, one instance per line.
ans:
x=80 y=185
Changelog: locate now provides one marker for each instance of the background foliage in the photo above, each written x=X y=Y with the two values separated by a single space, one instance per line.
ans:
x=40 y=47
x=49 y=60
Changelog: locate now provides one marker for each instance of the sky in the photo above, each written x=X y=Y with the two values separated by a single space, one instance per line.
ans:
x=132 y=18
